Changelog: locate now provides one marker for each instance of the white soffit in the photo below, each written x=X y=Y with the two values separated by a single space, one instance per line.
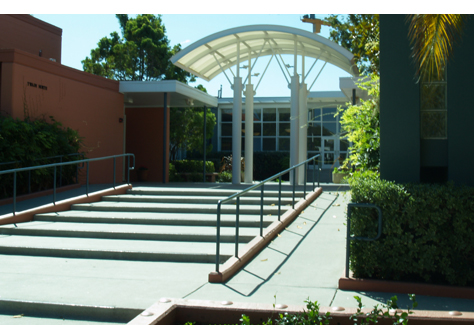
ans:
x=206 y=57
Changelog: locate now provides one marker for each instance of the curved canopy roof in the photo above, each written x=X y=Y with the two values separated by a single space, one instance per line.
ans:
x=211 y=55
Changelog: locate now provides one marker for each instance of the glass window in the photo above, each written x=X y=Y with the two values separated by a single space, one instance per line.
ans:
x=269 y=129
x=328 y=114
x=314 y=144
x=226 y=129
x=329 y=129
x=344 y=144
x=257 y=129
x=433 y=124
x=226 y=144
x=315 y=115
x=257 y=144
x=226 y=115
x=284 y=129
x=269 y=114
x=269 y=144
x=284 y=114
x=314 y=130
x=257 y=114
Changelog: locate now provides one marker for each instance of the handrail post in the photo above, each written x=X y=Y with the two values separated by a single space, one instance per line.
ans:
x=279 y=197
x=237 y=227
x=304 y=180
x=54 y=186
x=29 y=181
x=348 y=241
x=128 y=170
x=61 y=172
x=114 y=173
x=314 y=172
x=87 y=178
x=294 y=185
x=218 y=235
x=261 y=210
x=14 y=193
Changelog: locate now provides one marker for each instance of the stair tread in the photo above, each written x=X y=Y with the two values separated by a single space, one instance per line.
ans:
x=115 y=245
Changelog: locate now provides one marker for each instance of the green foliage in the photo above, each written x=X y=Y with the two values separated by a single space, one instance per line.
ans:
x=427 y=233
x=193 y=166
x=362 y=127
x=141 y=53
x=360 y=35
x=224 y=177
x=26 y=142
x=187 y=128
x=376 y=314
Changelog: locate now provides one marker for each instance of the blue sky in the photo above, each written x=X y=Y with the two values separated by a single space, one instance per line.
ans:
x=81 y=32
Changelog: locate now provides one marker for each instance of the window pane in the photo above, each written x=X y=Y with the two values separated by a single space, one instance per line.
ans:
x=257 y=129
x=226 y=115
x=257 y=144
x=284 y=144
x=269 y=129
x=314 y=144
x=226 y=144
x=433 y=124
x=284 y=129
x=433 y=97
x=329 y=128
x=226 y=129
x=328 y=114
x=269 y=114
x=328 y=144
x=269 y=144
x=328 y=158
x=284 y=114
x=257 y=114
x=315 y=115
x=314 y=130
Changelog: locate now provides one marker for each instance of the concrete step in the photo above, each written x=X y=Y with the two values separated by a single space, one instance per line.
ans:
x=183 y=208
x=154 y=218
x=118 y=249
x=124 y=231
x=194 y=199
x=269 y=191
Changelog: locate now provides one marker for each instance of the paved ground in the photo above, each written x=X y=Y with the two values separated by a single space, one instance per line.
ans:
x=304 y=261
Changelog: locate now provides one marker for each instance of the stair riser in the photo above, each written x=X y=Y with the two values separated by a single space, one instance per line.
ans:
x=243 y=201
x=177 y=209
x=166 y=222
x=298 y=194
x=128 y=256
x=131 y=236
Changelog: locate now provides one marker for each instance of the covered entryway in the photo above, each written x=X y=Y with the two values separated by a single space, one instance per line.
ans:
x=244 y=45
x=147 y=120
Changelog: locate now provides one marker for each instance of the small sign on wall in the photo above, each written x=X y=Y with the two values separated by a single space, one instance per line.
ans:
x=32 y=84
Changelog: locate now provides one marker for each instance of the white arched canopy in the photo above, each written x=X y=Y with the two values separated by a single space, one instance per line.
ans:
x=211 y=55
x=219 y=52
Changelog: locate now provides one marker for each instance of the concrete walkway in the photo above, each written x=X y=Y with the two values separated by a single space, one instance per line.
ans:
x=304 y=261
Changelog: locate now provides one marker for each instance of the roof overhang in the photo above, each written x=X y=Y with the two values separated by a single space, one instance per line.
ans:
x=347 y=84
x=211 y=55
x=151 y=94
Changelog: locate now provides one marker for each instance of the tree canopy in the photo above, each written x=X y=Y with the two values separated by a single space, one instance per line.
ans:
x=141 y=52
x=360 y=35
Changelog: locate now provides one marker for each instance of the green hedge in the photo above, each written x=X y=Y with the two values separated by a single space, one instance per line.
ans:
x=189 y=166
x=428 y=232
x=28 y=142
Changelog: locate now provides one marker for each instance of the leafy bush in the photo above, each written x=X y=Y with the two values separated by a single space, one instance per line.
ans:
x=26 y=143
x=193 y=166
x=224 y=177
x=361 y=123
x=427 y=235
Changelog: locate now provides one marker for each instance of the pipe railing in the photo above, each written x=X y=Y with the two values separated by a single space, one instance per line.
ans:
x=350 y=206
x=86 y=161
x=52 y=157
x=261 y=185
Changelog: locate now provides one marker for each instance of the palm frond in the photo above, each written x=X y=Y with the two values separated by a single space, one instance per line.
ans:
x=432 y=38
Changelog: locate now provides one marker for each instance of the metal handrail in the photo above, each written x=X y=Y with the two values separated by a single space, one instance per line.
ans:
x=237 y=196
x=86 y=161
x=52 y=157
x=349 y=237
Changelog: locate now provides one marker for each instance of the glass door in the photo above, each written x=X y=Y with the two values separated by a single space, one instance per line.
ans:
x=330 y=152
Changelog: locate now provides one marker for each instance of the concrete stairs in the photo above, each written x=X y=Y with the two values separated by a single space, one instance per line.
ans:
x=148 y=224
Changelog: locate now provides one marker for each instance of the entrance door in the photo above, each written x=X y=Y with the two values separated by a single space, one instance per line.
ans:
x=330 y=152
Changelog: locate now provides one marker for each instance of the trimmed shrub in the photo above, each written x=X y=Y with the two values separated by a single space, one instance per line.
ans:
x=193 y=166
x=427 y=236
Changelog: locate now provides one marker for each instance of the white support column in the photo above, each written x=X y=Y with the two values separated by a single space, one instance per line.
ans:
x=303 y=130
x=248 y=133
x=237 y=130
x=294 y=124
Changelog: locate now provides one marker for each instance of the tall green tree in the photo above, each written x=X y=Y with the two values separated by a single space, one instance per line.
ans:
x=141 y=52
x=360 y=35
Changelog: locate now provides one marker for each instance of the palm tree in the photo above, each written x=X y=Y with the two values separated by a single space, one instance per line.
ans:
x=433 y=37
